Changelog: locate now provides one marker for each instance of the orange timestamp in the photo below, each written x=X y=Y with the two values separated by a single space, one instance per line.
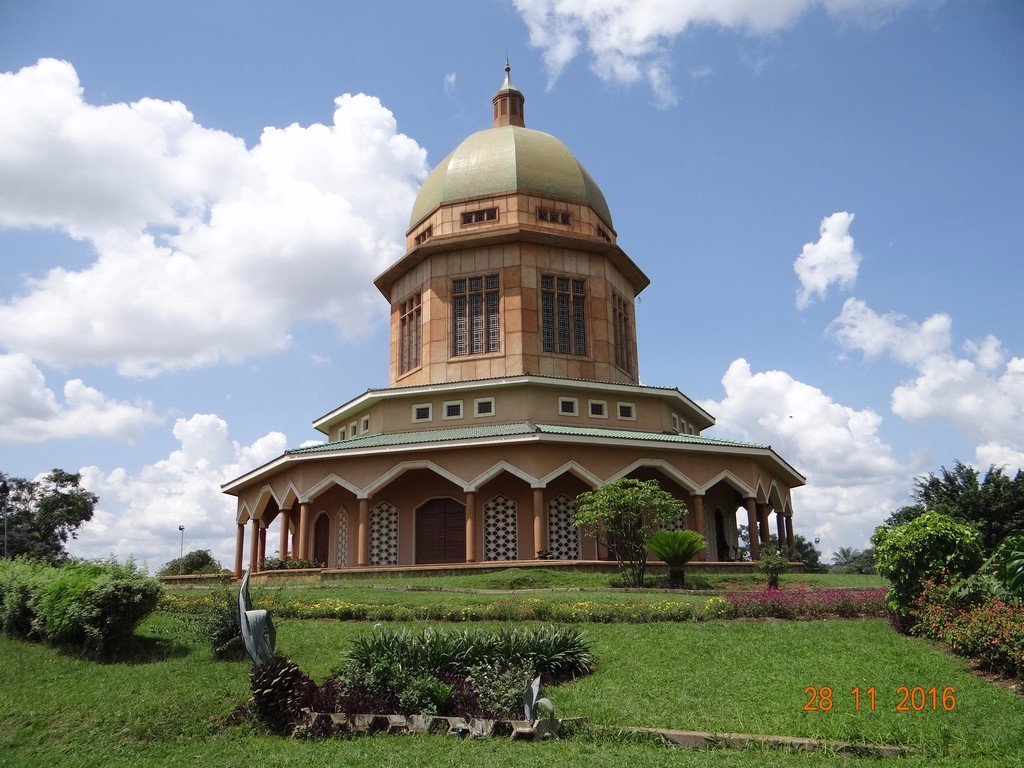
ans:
x=917 y=698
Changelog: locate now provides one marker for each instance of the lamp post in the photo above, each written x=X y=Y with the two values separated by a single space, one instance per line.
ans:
x=4 y=490
x=182 y=554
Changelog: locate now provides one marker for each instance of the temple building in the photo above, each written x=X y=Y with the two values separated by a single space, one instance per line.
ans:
x=514 y=386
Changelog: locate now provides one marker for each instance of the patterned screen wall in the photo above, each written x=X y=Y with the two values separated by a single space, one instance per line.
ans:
x=384 y=534
x=563 y=535
x=500 y=541
x=679 y=524
x=341 y=558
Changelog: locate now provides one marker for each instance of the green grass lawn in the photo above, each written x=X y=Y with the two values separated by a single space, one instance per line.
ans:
x=168 y=705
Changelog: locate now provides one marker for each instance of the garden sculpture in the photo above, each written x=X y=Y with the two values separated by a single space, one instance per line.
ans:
x=258 y=632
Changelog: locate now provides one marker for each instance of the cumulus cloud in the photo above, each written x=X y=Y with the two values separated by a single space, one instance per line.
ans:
x=140 y=513
x=449 y=84
x=206 y=250
x=628 y=40
x=853 y=479
x=981 y=392
x=30 y=411
x=831 y=260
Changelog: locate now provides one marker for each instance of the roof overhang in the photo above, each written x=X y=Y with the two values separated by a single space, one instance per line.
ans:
x=701 y=418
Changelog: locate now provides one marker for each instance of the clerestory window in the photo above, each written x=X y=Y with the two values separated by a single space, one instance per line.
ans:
x=622 y=323
x=476 y=317
x=563 y=315
x=410 y=334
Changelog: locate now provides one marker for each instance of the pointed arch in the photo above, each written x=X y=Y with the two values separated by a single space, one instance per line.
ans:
x=243 y=516
x=761 y=495
x=660 y=464
x=738 y=485
x=497 y=469
x=326 y=484
x=775 y=498
x=571 y=466
x=262 y=501
x=290 y=496
x=405 y=466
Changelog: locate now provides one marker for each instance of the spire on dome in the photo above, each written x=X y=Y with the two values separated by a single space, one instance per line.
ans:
x=508 y=102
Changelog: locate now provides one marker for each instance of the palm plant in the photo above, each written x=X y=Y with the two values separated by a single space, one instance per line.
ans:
x=675 y=549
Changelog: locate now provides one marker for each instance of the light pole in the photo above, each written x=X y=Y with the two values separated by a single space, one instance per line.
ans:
x=4 y=490
x=182 y=554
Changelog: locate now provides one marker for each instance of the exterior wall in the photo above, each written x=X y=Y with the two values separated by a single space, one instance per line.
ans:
x=519 y=265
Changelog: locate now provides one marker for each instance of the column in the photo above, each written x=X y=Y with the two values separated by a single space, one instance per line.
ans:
x=363 y=549
x=239 y=546
x=303 y=548
x=762 y=523
x=540 y=539
x=254 y=547
x=470 y=527
x=282 y=547
x=780 y=526
x=789 y=531
x=698 y=524
x=752 y=528
x=261 y=554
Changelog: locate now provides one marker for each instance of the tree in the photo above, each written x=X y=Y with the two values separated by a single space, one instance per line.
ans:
x=772 y=563
x=622 y=515
x=805 y=551
x=196 y=561
x=933 y=546
x=43 y=514
x=852 y=560
x=993 y=503
x=675 y=549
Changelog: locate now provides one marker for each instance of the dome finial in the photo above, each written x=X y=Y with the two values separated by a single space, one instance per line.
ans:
x=508 y=67
x=508 y=101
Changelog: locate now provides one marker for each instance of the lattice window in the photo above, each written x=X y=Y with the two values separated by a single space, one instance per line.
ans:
x=679 y=524
x=410 y=334
x=500 y=540
x=623 y=328
x=384 y=534
x=554 y=217
x=563 y=535
x=341 y=558
x=476 y=315
x=479 y=217
x=563 y=315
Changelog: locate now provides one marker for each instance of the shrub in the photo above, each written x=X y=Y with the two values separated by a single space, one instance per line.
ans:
x=95 y=606
x=499 y=688
x=218 y=623
x=806 y=603
x=21 y=581
x=195 y=562
x=277 y=564
x=930 y=546
x=282 y=693
x=675 y=549
x=772 y=563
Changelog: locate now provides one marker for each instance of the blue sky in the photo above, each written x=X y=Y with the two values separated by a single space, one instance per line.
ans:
x=151 y=336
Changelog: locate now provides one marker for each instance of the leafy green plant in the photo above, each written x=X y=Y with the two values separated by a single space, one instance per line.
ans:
x=675 y=549
x=622 y=515
x=499 y=686
x=21 y=582
x=196 y=562
x=277 y=564
x=218 y=624
x=772 y=562
x=931 y=546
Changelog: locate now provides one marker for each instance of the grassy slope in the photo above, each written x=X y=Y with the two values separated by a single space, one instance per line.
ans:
x=166 y=709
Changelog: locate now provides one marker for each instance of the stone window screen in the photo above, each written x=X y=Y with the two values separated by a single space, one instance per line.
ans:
x=563 y=535
x=500 y=539
x=384 y=534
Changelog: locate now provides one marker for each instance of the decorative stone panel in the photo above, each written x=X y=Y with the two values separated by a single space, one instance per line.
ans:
x=679 y=524
x=384 y=534
x=500 y=540
x=563 y=535
x=341 y=548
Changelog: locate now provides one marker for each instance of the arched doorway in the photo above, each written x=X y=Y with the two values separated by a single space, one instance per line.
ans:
x=721 y=542
x=321 y=531
x=441 y=532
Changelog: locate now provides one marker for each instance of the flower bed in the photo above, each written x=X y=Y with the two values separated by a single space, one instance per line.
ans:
x=808 y=603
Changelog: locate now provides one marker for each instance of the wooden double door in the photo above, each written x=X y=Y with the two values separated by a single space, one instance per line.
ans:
x=441 y=532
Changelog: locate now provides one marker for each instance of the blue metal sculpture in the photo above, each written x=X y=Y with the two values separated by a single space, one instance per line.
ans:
x=258 y=632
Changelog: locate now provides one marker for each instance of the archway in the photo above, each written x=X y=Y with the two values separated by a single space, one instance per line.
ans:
x=722 y=548
x=321 y=538
x=441 y=532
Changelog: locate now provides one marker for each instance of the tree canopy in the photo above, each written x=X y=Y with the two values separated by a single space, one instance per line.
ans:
x=43 y=514
x=992 y=503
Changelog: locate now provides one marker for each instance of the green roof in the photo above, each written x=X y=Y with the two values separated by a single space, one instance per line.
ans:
x=507 y=159
x=509 y=430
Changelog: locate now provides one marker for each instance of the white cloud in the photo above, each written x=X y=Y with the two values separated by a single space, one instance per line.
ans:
x=982 y=394
x=853 y=479
x=139 y=513
x=626 y=39
x=31 y=413
x=701 y=72
x=449 y=83
x=205 y=250
x=831 y=260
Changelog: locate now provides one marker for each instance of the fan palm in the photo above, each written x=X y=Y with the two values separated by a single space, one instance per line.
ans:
x=675 y=549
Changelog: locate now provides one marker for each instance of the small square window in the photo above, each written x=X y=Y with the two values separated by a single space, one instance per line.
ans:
x=364 y=425
x=627 y=411
x=492 y=214
x=568 y=406
x=453 y=409
x=352 y=429
x=564 y=218
x=467 y=218
x=598 y=409
x=341 y=433
x=675 y=423
x=484 y=406
x=422 y=412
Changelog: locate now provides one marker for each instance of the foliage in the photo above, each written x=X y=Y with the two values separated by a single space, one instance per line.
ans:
x=277 y=564
x=805 y=551
x=805 y=604
x=622 y=515
x=852 y=560
x=932 y=545
x=218 y=624
x=675 y=549
x=991 y=503
x=43 y=514
x=1007 y=566
x=772 y=562
x=281 y=693
x=197 y=561
x=499 y=686
x=976 y=626
x=92 y=606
